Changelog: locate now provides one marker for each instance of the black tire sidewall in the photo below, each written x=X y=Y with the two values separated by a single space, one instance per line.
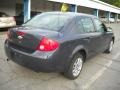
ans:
x=69 y=73
x=108 y=49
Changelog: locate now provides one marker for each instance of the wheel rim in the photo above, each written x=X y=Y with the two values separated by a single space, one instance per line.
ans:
x=111 y=46
x=77 y=66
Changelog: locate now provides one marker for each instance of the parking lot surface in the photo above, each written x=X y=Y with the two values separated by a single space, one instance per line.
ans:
x=99 y=73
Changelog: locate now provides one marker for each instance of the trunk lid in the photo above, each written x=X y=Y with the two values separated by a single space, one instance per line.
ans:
x=29 y=38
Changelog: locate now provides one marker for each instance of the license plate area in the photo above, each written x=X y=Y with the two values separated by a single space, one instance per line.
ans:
x=14 y=55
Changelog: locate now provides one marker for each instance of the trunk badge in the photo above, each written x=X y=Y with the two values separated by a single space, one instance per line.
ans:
x=20 y=37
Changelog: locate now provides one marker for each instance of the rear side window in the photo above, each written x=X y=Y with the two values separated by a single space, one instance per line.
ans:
x=88 y=24
x=79 y=26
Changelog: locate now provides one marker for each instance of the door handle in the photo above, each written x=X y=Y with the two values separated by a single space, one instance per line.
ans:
x=88 y=38
x=91 y=37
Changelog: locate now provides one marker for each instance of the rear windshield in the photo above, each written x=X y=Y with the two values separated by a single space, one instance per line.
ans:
x=49 y=21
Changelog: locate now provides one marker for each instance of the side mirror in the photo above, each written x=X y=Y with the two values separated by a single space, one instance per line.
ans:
x=105 y=28
x=109 y=29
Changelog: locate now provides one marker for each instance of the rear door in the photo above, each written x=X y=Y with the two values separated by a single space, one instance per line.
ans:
x=90 y=38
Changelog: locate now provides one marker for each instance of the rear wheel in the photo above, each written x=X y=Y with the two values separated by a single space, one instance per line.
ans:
x=110 y=47
x=75 y=67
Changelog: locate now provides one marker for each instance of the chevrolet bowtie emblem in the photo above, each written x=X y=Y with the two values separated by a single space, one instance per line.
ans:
x=20 y=37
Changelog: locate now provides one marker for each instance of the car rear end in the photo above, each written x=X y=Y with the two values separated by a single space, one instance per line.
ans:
x=36 y=48
x=31 y=51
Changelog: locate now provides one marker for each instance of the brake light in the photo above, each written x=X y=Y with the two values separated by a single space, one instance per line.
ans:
x=20 y=33
x=47 y=45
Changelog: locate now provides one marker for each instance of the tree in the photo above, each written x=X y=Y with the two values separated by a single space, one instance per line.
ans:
x=113 y=2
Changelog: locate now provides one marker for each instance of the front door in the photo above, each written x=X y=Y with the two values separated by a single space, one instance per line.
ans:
x=91 y=37
x=100 y=29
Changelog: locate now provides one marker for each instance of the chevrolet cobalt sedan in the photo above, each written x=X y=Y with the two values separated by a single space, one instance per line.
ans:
x=58 y=41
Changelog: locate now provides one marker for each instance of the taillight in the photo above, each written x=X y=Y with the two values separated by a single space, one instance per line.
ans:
x=20 y=33
x=47 y=44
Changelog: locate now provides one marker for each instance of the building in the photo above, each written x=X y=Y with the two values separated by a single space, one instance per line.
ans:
x=95 y=7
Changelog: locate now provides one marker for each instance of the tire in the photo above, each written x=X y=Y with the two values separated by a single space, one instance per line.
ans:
x=75 y=67
x=110 y=47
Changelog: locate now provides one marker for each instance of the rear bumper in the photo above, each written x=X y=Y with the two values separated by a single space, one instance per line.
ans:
x=37 y=61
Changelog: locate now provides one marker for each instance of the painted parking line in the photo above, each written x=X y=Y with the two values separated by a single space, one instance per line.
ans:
x=96 y=76
x=99 y=73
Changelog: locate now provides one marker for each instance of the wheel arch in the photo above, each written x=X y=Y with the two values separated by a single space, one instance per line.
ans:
x=81 y=50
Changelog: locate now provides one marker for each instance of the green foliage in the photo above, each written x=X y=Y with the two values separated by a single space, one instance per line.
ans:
x=113 y=2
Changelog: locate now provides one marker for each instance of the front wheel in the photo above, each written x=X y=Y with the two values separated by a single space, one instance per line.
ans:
x=110 y=47
x=75 y=67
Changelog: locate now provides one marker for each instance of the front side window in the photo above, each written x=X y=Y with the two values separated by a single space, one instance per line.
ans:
x=48 y=21
x=99 y=25
x=87 y=24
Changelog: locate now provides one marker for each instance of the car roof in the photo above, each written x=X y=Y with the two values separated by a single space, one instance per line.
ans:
x=73 y=14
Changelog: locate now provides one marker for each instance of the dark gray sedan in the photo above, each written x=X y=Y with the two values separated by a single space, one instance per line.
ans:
x=56 y=41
